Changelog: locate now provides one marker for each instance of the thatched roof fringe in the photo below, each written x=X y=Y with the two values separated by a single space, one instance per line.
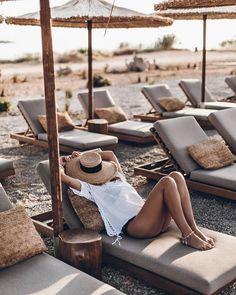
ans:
x=224 y=12
x=75 y=13
x=191 y=4
x=101 y=22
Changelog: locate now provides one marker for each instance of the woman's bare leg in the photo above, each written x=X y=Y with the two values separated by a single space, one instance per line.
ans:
x=187 y=206
x=164 y=201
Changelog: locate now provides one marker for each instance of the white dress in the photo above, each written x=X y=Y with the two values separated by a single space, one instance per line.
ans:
x=117 y=202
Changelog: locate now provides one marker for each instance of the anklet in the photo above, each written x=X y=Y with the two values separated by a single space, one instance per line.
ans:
x=184 y=240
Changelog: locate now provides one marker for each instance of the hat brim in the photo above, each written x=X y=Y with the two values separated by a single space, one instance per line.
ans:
x=107 y=172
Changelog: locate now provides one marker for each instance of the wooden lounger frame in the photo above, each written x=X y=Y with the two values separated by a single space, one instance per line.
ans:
x=7 y=173
x=163 y=167
x=43 y=222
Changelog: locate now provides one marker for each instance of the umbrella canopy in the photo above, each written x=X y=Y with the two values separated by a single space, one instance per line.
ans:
x=223 y=12
x=1 y=19
x=192 y=3
x=93 y=14
x=182 y=10
x=75 y=13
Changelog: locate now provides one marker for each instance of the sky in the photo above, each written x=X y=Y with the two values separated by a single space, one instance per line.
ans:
x=27 y=39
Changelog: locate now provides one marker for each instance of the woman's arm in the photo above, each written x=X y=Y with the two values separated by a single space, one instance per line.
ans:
x=70 y=181
x=110 y=156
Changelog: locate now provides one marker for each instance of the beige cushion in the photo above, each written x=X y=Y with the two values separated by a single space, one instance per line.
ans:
x=193 y=89
x=6 y=164
x=211 y=153
x=63 y=120
x=197 y=113
x=82 y=140
x=133 y=128
x=112 y=114
x=223 y=177
x=202 y=271
x=18 y=236
x=171 y=104
x=87 y=212
x=224 y=122
x=45 y=275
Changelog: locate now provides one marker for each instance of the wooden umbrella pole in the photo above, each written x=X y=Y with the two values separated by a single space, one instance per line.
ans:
x=90 y=70
x=204 y=58
x=49 y=88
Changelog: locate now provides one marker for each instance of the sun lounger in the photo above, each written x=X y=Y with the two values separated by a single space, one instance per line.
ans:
x=6 y=168
x=153 y=93
x=224 y=122
x=129 y=130
x=163 y=262
x=69 y=140
x=43 y=274
x=192 y=89
x=174 y=136
x=231 y=82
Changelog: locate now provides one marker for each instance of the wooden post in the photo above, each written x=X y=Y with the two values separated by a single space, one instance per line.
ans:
x=90 y=70
x=204 y=58
x=49 y=89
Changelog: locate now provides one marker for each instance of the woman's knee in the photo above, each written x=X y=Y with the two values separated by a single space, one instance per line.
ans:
x=168 y=182
x=177 y=176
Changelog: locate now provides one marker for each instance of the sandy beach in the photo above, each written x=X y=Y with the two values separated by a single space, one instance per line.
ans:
x=27 y=188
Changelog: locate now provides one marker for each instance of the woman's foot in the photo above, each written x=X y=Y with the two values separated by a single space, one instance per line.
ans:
x=201 y=235
x=192 y=240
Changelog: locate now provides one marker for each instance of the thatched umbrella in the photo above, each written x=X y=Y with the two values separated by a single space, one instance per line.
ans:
x=198 y=13
x=93 y=14
x=192 y=3
x=1 y=19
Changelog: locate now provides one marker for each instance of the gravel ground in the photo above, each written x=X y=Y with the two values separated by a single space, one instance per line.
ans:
x=26 y=187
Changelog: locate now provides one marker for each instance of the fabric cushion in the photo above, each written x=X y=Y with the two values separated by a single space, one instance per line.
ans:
x=87 y=212
x=82 y=140
x=133 y=128
x=223 y=177
x=211 y=153
x=112 y=114
x=199 y=114
x=102 y=99
x=63 y=120
x=5 y=203
x=45 y=275
x=154 y=92
x=219 y=105
x=203 y=271
x=177 y=134
x=192 y=88
x=6 y=164
x=224 y=122
x=170 y=104
x=30 y=110
x=19 y=238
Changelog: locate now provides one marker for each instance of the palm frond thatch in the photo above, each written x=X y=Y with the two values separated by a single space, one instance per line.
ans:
x=192 y=3
x=75 y=13
x=225 y=12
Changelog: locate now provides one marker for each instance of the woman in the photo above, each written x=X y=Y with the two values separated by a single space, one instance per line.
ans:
x=98 y=176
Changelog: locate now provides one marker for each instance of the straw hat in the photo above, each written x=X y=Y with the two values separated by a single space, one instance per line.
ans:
x=90 y=168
